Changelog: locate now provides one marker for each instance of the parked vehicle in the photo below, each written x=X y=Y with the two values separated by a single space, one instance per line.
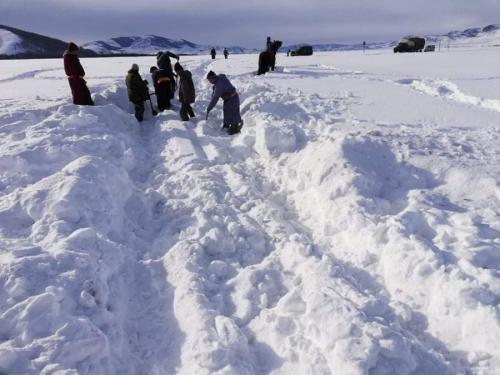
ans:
x=410 y=45
x=430 y=48
x=302 y=51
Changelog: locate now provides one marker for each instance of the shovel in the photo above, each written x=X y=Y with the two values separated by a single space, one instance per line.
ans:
x=151 y=103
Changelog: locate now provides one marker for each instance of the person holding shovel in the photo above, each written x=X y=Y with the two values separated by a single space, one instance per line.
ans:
x=137 y=91
x=231 y=108
x=162 y=81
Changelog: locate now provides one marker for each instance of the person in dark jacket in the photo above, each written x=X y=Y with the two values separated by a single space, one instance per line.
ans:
x=212 y=52
x=187 y=93
x=137 y=91
x=163 y=62
x=269 y=44
x=75 y=73
x=226 y=53
x=163 y=85
x=231 y=108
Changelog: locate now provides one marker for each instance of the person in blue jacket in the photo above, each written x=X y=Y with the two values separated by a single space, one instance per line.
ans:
x=231 y=108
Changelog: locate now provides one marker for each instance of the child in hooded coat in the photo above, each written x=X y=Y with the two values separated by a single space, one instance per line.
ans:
x=137 y=91
x=187 y=93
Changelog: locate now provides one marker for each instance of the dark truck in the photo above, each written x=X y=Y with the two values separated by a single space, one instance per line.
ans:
x=303 y=51
x=410 y=45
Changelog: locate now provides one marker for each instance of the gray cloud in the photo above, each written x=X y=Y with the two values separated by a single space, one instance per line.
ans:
x=247 y=23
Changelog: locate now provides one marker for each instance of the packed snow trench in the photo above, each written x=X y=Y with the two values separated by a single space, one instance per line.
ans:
x=352 y=227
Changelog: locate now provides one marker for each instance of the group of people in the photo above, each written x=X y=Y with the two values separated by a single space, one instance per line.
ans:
x=164 y=81
x=213 y=53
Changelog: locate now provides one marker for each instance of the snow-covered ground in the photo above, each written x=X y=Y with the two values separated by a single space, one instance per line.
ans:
x=353 y=227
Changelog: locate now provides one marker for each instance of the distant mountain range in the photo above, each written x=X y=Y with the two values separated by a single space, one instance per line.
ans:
x=15 y=43
x=486 y=36
x=150 y=44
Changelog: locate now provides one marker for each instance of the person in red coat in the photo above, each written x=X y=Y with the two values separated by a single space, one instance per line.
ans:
x=75 y=73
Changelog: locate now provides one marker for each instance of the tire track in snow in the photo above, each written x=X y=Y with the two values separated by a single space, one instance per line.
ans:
x=148 y=315
x=449 y=90
x=30 y=74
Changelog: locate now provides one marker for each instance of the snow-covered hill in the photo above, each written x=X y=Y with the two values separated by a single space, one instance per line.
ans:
x=486 y=36
x=23 y=44
x=10 y=43
x=351 y=228
x=150 y=44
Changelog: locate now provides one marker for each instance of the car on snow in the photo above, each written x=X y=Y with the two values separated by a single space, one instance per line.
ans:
x=302 y=51
x=410 y=45
x=430 y=48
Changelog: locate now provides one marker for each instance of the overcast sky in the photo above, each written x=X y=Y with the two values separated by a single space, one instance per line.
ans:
x=247 y=23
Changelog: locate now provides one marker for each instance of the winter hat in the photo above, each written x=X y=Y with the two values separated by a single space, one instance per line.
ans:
x=159 y=54
x=135 y=67
x=152 y=69
x=211 y=74
x=72 y=47
x=178 y=67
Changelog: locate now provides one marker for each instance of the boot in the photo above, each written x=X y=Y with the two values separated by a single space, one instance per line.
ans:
x=233 y=129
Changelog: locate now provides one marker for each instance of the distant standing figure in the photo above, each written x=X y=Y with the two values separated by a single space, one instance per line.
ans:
x=269 y=44
x=163 y=62
x=75 y=73
x=231 y=108
x=226 y=53
x=137 y=91
x=288 y=53
x=212 y=52
x=163 y=84
x=267 y=59
x=187 y=93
